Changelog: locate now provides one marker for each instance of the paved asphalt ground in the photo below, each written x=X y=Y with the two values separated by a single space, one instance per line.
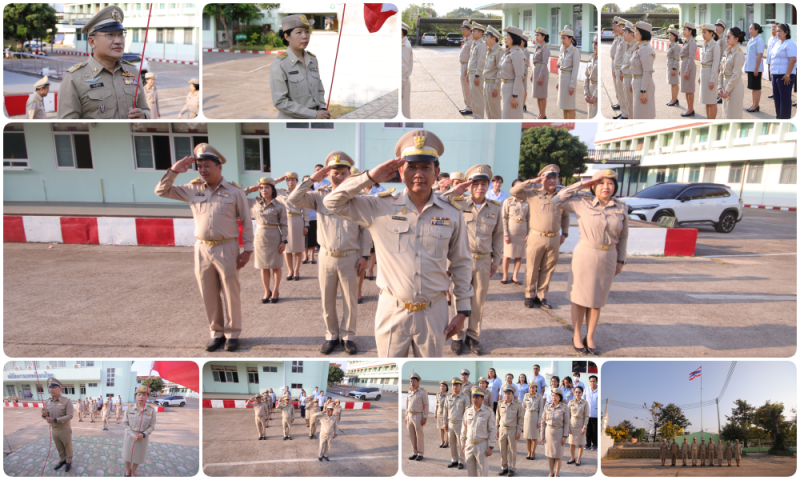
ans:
x=752 y=465
x=172 y=81
x=736 y=298
x=365 y=446
x=436 y=460
x=436 y=88
x=664 y=95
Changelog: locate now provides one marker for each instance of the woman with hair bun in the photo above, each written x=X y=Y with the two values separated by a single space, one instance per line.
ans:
x=512 y=73
x=709 y=63
x=541 y=71
x=731 y=90
x=568 y=68
x=642 y=84
x=673 y=64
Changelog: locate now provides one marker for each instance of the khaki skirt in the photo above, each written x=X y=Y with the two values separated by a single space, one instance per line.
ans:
x=689 y=85
x=737 y=454
x=673 y=80
x=540 y=91
x=644 y=110
x=733 y=105
x=515 y=249
x=565 y=100
x=440 y=423
x=575 y=436
x=529 y=429
x=267 y=242
x=591 y=274
x=707 y=97
x=508 y=112
x=552 y=445
x=297 y=242
x=139 y=451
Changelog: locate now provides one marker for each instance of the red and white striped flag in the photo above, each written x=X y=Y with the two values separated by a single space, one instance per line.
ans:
x=375 y=15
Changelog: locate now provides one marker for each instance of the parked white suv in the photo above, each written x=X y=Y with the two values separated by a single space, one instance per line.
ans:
x=366 y=393
x=689 y=203
x=171 y=400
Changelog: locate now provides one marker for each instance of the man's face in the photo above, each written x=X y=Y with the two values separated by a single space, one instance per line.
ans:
x=414 y=383
x=457 y=388
x=593 y=383
x=477 y=34
x=508 y=396
x=44 y=91
x=477 y=401
x=720 y=30
x=535 y=371
x=419 y=177
x=210 y=170
x=478 y=190
x=338 y=175
x=54 y=391
x=107 y=44
x=509 y=378
x=466 y=32
x=629 y=36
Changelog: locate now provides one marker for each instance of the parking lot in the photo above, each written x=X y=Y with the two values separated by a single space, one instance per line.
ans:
x=365 y=446
x=735 y=298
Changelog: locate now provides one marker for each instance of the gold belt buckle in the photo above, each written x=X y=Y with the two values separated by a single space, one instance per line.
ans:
x=415 y=307
x=604 y=247
x=520 y=221
x=336 y=255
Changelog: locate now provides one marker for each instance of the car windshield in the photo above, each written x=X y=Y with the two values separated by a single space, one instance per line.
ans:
x=363 y=390
x=666 y=191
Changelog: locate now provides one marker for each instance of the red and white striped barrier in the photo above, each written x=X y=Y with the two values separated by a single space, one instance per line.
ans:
x=767 y=207
x=41 y=405
x=254 y=52
x=663 y=45
x=668 y=242
x=243 y=404
x=15 y=104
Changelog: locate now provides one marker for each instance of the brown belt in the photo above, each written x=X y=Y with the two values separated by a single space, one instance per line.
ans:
x=591 y=82
x=415 y=307
x=594 y=245
x=637 y=76
x=478 y=442
x=217 y=242
x=340 y=254
x=535 y=64
x=543 y=234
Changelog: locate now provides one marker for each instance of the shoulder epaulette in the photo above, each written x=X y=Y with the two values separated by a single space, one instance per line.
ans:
x=197 y=180
x=76 y=66
x=518 y=400
x=459 y=198
x=453 y=203
x=423 y=389
x=125 y=61
x=619 y=201
x=236 y=185
x=496 y=203
x=310 y=53
x=283 y=55
x=386 y=193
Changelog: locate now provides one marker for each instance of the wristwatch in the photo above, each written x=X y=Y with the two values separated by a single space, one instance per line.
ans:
x=514 y=96
x=466 y=313
x=621 y=262
x=285 y=241
x=365 y=258
x=643 y=91
x=477 y=76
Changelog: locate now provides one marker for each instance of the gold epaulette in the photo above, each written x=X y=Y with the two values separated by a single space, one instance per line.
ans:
x=236 y=185
x=76 y=66
x=453 y=203
x=283 y=55
x=197 y=180
x=385 y=193
x=496 y=203
x=129 y=63
x=619 y=201
x=459 y=199
x=310 y=53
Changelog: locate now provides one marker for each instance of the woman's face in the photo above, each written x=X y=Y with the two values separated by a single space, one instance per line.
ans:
x=539 y=38
x=774 y=29
x=141 y=397
x=299 y=38
x=753 y=31
x=628 y=35
x=266 y=191
x=638 y=35
x=565 y=40
x=507 y=41
x=707 y=35
x=443 y=388
x=781 y=34
x=291 y=183
x=594 y=45
x=492 y=373
x=730 y=40
x=605 y=189
x=687 y=33
x=554 y=382
x=578 y=393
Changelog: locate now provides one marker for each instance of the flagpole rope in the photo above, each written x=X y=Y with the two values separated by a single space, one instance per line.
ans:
x=141 y=63
x=341 y=27
x=49 y=427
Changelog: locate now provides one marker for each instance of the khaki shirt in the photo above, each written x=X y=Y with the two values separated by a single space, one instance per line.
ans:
x=642 y=61
x=292 y=210
x=411 y=245
x=533 y=403
x=272 y=213
x=334 y=233
x=440 y=407
x=570 y=62
x=408 y=60
x=614 y=44
x=192 y=105
x=93 y=406
x=544 y=215
x=466 y=390
x=89 y=90
x=35 y=107
x=133 y=423
x=327 y=425
x=579 y=413
x=512 y=68
x=260 y=409
x=694 y=447
x=541 y=56
x=622 y=47
x=684 y=447
x=151 y=93
x=492 y=64
x=216 y=212
x=417 y=402
x=60 y=410
x=484 y=228
x=601 y=225
x=688 y=52
x=287 y=409
x=296 y=86
x=590 y=84
x=556 y=417
x=466 y=48
x=703 y=448
x=510 y=415
x=673 y=56
x=664 y=449
x=720 y=450
x=730 y=71
x=710 y=57
x=626 y=59
x=673 y=448
x=478 y=426
x=477 y=58
x=516 y=216
x=455 y=406
x=488 y=399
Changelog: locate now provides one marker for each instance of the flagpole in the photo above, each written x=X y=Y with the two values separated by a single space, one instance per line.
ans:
x=701 y=403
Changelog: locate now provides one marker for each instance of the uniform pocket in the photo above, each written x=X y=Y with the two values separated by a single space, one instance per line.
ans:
x=298 y=87
x=199 y=206
x=100 y=102
x=397 y=236
x=486 y=226
x=437 y=240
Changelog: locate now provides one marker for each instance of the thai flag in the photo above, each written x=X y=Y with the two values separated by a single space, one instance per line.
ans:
x=375 y=14
x=696 y=373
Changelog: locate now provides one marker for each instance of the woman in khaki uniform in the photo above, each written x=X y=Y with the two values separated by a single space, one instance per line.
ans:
x=673 y=64
x=737 y=452
x=709 y=63
x=525 y=66
x=298 y=226
x=731 y=89
x=533 y=404
x=541 y=70
x=664 y=451
x=579 y=412
x=600 y=253
x=192 y=106
x=555 y=419
x=488 y=396
x=688 y=67
x=119 y=408
x=138 y=424
x=270 y=237
x=515 y=234
x=643 y=86
x=590 y=84
x=151 y=94
x=728 y=452
x=720 y=452
x=569 y=63
x=511 y=73
x=629 y=40
x=441 y=397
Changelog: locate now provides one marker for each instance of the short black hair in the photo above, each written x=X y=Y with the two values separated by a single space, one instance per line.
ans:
x=757 y=27
x=274 y=191
x=592 y=376
x=497 y=178
x=646 y=36
x=616 y=188
x=576 y=373
x=677 y=38
x=443 y=175
x=535 y=364
x=405 y=32
x=579 y=387
x=786 y=30
x=515 y=39
x=558 y=380
x=693 y=30
x=196 y=87
x=560 y=397
x=282 y=33
x=319 y=165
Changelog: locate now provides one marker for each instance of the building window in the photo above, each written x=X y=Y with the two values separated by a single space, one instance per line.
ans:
x=789 y=172
x=269 y=369
x=68 y=390
x=56 y=364
x=110 y=377
x=297 y=367
x=252 y=375
x=73 y=150
x=703 y=13
x=159 y=35
x=754 y=172
x=770 y=128
x=709 y=173
x=744 y=129
x=15 y=148
x=735 y=174
x=256 y=147
x=682 y=137
x=703 y=135
x=92 y=385
x=694 y=174
x=661 y=175
x=673 y=175
x=297 y=385
x=668 y=140
x=85 y=364
x=135 y=33
x=309 y=126
x=722 y=132
x=188 y=37
x=225 y=374
x=403 y=125
x=156 y=145
x=170 y=35
x=83 y=389
x=206 y=22
x=527 y=25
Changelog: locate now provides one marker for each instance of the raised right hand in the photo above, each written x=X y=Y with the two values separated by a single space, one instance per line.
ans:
x=183 y=165
x=462 y=187
x=320 y=175
x=385 y=171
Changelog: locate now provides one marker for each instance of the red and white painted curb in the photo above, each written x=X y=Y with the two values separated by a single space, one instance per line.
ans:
x=767 y=207
x=663 y=45
x=41 y=405
x=243 y=404
x=668 y=242
x=82 y=54
x=255 y=52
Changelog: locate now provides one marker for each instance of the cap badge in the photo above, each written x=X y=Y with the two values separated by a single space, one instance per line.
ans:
x=115 y=15
x=419 y=141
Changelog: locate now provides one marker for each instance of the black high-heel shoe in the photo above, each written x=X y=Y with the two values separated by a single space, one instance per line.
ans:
x=266 y=299
x=274 y=299
x=757 y=109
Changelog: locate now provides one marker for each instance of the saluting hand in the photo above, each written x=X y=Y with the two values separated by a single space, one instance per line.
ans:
x=183 y=165
x=320 y=175
x=386 y=170
x=280 y=179
x=533 y=181
x=462 y=187
x=588 y=184
x=136 y=113
x=242 y=260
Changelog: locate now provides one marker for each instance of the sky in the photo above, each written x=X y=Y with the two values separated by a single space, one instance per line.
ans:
x=586 y=131
x=668 y=382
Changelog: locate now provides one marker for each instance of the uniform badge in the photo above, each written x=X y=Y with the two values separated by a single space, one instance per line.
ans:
x=91 y=80
x=115 y=15
x=130 y=81
x=200 y=194
x=96 y=85
x=314 y=69
x=617 y=211
x=295 y=72
x=126 y=74
x=491 y=215
x=223 y=194
x=401 y=210
x=441 y=221
x=399 y=218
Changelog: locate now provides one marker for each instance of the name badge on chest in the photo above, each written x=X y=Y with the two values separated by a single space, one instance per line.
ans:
x=96 y=85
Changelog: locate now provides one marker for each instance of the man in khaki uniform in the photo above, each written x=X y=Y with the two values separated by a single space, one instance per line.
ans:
x=416 y=416
x=673 y=452
x=544 y=241
x=510 y=418
x=311 y=410
x=93 y=406
x=343 y=253
x=466 y=386
x=463 y=58
x=261 y=412
x=408 y=67
x=103 y=87
x=695 y=451
x=614 y=46
x=685 y=452
x=703 y=452
x=80 y=410
x=478 y=435
x=217 y=207
x=287 y=416
x=491 y=85
x=151 y=93
x=485 y=233
x=106 y=413
x=34 y=108
x=327 y=430
x=475 y=67
x=455 y=404
x=415 y=232
x=58 y=411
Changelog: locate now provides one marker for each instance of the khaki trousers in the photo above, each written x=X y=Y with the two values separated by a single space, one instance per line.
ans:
x=218 y=279
x=540 y=264
x=477 y=463
x=494 y=105
x=627 y=83
x=454 y=439
x=684 y=456
x=476 y=94
x=80 y=415
x=334 y=272
x=702 y=458
x=105 y=422
x=63 y=440
x=286 y=422
x=674 y=457
x=415 y=433
x=465 y=87
x=694 y=458
x=312 y=428
x=481 y=268
x=261 y=426
x=406 y=97
x=324 y=444
x=397 y=329
x=621 y=97
x=508 y=448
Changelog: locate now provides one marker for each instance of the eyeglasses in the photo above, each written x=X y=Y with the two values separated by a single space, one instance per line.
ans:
x=117 y=34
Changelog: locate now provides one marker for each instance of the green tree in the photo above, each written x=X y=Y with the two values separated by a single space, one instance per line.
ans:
x=655 y=414
x=628 y=426
x=732 y=431
x=618 y=434
x=674 y=415
x=542 y=146
x=155 y=384
x=742 y=417
x=228 y=13
x=27 y=21
x=417 y=10
x=335 y=374
x=640 y=434
x=610 y=8
x=770 y=417
x=669 y=431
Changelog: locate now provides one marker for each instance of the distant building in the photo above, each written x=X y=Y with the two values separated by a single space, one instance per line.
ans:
x=170 y=388
x=372 y=373
x=741 y=15
x=80 y=379
x=250 y=378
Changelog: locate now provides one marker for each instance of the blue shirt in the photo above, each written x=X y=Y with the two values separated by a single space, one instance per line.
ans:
x=771 y=42
x=591 y=397
x=568 y=394
x=494 y=387
x=541 y=388
x=578 y=384
x=754 y=47
x=521 y=391
x=325 y=182
x=497 y=197
x=376 y=189
x=779 y=55
x=303 y=400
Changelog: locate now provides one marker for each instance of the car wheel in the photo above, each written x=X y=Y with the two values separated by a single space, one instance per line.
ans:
x=183 y=404
x=363 y=397
x=378 y=397
x=726 y=223
x=658 y=216
x=165 y=404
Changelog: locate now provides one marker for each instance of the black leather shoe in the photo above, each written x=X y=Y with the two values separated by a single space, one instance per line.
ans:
x=419 y=458
x=231 y=344
x=297 y=278
x=350 y=347
x=510 y=474
x=59 y=465
x=327 y=459
x=505 y=282
x=290 y=277
x=265 y=300
x=69 y=467
x=285 y=438
x=304 y=262
x=570 y=462
x=618 y=117
x=453 y=465
x=461 y=466
x=320 y=459
x=770 y=96
x=466 y=112
x=474 y=345
x=545 y=304
x=757 y=109
x=215 y=343
x=503 y=472
x=685 y=114
x=672 y=104
x=591 y=351
x=360 y=301
x=529 y=303
x=537 y=303
x=524 y=108
x=719 y=100
x=328 y=347
x=274 y=299
x=615 y=107
x=413 y=457
x=455 y=346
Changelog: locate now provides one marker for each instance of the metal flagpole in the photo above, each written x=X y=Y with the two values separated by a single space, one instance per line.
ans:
x=139 y=75
x=701 y=403
x=336 y=58
x=718 y=428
